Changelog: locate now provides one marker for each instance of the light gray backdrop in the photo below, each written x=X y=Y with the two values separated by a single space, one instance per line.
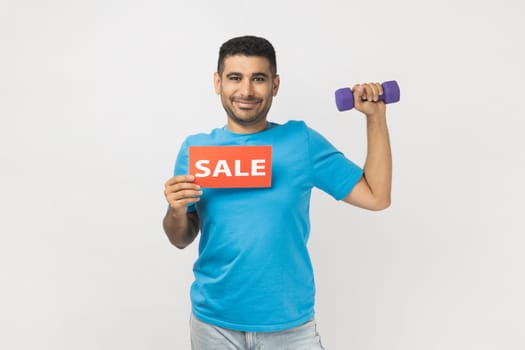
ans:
x=96 y=97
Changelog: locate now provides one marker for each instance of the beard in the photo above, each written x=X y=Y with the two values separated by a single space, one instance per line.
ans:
x=249 y=120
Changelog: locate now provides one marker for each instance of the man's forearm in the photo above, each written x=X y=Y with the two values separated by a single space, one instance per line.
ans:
x=378 y=165
x=181 y=228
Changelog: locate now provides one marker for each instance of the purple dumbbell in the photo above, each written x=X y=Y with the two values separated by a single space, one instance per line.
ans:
x=344 y=99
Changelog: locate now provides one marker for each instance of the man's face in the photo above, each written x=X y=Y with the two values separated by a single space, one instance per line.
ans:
x=246 y=87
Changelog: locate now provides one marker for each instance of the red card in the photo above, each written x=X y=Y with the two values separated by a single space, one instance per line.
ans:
x=231 y=166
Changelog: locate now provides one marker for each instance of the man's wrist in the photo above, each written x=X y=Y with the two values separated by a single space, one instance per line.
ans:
x=376 y=116
x=177 y=213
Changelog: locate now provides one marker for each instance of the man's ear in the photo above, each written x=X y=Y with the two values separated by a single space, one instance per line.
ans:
x=217 y=83
x=276 y=82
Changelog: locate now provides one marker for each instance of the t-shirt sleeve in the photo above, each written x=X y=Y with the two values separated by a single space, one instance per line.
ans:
x=182 y=165
x=332 y=171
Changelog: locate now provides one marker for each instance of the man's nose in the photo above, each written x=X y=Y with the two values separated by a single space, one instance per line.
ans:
x=246 y=87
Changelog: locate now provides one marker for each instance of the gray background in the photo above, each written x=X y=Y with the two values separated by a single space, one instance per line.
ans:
x=96 y=97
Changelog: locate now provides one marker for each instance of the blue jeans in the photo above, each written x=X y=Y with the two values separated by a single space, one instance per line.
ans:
x=205 y=336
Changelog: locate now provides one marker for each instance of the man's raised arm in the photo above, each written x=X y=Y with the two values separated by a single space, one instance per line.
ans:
x=374 y=189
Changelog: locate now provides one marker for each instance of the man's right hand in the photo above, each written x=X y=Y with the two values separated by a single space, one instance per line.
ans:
x=181 y=191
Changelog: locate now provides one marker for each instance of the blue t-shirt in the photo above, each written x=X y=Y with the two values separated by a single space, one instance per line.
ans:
x=253 y=272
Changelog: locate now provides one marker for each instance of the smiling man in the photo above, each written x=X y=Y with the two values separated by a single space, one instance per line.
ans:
x=247 y=85
x=254 y=285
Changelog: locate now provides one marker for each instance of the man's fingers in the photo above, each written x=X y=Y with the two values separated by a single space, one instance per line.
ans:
x=367 y=92
x=183 y=202
x=183 y=194
x=371 y=91
x=374 y=91
x=360 y=94
x=182 y=186
x=182 y=198
x=180 y=178
x=380 y=88
x=367 y=98
x=179 y=183
x=180 y=191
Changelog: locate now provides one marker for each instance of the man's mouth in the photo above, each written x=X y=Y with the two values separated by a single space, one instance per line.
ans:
x=246 y=104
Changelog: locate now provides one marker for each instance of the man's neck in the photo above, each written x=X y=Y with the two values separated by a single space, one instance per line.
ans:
x=246 y=129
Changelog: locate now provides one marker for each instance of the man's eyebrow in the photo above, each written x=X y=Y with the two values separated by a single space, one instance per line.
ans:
x=233 y=73
x=257 y=74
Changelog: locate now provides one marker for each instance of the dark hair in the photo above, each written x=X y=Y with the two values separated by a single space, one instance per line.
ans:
x=248 y=46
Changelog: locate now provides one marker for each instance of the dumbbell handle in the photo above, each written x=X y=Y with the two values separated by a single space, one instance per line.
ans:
x=344 y=98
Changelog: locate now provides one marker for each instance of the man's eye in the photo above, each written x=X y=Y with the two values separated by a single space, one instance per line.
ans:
x=259 y=79
x=234 y=78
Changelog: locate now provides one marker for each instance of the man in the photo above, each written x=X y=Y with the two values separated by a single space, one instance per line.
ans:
x=254 y=284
